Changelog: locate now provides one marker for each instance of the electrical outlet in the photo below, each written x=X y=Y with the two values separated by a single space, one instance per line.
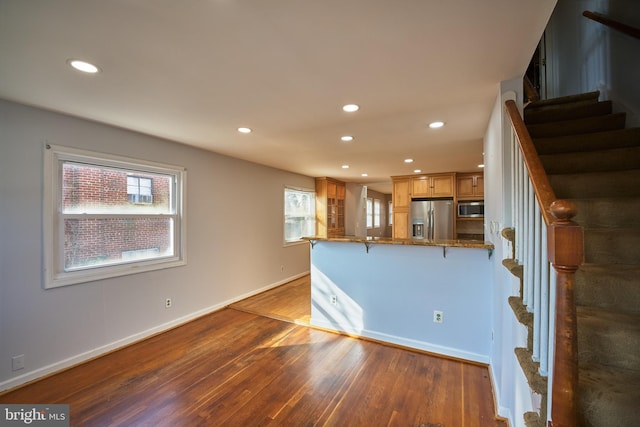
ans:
x=17 y=362
x=167 y=303
x=438 y=316
x=334 y=299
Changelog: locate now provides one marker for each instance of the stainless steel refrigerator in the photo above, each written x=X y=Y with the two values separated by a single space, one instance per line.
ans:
x=432 y=219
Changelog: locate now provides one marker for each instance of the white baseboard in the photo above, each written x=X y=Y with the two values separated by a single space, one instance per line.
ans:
x=405 y=342
x=502 y=411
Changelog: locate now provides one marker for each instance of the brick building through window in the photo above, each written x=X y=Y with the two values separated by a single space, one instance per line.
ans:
x=98 y=190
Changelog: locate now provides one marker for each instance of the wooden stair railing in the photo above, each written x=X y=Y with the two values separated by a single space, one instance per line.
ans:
x=530 y=92
x=565 y=243
x=612 y=23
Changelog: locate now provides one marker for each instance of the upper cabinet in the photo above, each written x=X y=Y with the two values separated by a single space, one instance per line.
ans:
x=440 y=185
x=330 y=207
x=401 y=193
x=470 y=186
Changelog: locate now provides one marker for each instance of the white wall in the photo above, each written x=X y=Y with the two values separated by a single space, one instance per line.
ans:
x=512 y=391
x=389 y=293
x=234 y=246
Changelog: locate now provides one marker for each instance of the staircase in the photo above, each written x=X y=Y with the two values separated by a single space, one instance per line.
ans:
x=593 y=160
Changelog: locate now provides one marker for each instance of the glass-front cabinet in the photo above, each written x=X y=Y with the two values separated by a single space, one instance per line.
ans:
x=330 y=207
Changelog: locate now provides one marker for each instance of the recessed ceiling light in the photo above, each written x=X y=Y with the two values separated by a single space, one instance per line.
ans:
x=350 y=108
x=408 y=160
x=417 y=170
x=244 y=130
x=347 y=138
x=83 y=66
x=345 y=166
x=364 y=174
x=480 y=166
x=436 y=125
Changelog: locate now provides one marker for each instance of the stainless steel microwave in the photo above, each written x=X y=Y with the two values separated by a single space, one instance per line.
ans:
x=471 y=209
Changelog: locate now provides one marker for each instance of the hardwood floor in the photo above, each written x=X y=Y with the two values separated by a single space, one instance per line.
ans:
x=290 y=302
x=236 y=368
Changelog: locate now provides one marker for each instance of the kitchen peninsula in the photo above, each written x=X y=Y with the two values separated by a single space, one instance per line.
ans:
x=429 y=295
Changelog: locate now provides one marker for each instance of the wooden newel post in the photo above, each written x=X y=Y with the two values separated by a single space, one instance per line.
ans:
x=566 y=254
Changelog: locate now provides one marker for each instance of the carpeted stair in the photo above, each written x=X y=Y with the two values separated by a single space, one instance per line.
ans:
x=591 y=159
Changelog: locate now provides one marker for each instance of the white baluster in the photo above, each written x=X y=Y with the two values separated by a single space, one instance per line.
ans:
x=529 y=266
x=537 y=267
x=544 y=306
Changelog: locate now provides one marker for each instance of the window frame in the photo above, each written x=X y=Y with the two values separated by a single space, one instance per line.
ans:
x=54 y=274
x=312 y=194
x=369 y=212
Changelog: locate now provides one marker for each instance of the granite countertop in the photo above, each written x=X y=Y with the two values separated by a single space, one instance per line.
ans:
x=477 y=244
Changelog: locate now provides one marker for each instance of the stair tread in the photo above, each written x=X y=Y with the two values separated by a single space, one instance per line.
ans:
x=583 y=125
x=604 y=212
x=628 y=137
x=559 y=112
x=625 y=158
x=609 y=396
x=612 y=245
x=596 y=184
x=626 y=230
x=594 y=174
x=607 y=268
x=618 y=272
x=612 y=287
x=608 y=318
x=608 y=337
x=580 y=97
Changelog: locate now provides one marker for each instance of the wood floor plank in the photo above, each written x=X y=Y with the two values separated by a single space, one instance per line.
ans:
x=290 y=302
x=237 y=368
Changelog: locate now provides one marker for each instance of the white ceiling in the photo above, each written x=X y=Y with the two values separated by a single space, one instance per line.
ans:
x=195 y=70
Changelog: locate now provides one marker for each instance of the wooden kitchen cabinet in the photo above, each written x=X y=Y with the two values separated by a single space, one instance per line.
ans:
x=421 y=186
x=401 y=194
x=470 y=186
x=401 y=199
x=440 y=185
x=400 y=225
x=330 y=207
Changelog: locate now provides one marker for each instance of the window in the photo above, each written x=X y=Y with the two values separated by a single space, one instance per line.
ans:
x=139 y=189
x=108 y=216
x=299 y=214
x=390 y=213
x=376 y=213
x=369 y=213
